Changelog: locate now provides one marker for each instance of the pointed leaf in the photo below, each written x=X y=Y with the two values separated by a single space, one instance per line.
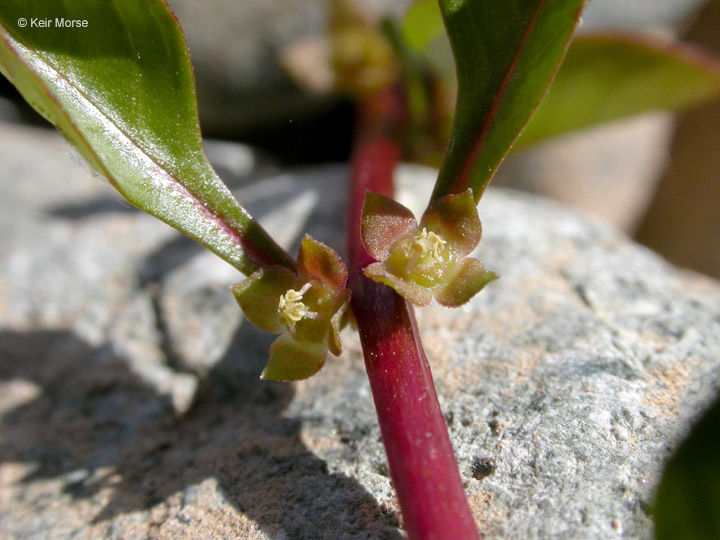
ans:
x=318 y=261
x=258 y=296
x=293 y=361
x=411 y=291
x=610 y=76
x=470 y=280
x=506 y=53
x=121 y=90
x=383 y=222
x=455 y=219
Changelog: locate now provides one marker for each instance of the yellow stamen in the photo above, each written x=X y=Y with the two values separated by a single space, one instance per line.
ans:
x=291 y=308
x=428 y=243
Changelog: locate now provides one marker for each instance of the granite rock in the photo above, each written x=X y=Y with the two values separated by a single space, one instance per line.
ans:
x=565 y=384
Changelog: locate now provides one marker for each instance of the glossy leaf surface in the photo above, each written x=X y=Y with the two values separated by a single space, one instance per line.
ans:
x=120 y=88
x=609 y=76
x=506 y=54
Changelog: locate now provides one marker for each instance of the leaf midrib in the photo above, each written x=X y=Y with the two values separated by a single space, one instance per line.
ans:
x=463 y=177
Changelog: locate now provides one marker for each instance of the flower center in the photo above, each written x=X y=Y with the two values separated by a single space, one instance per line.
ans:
x=291 y=308
x=429 y=244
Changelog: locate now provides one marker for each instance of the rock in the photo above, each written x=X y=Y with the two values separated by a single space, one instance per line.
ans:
x=641 y=14
x=235 y=49
x=565 y=384
x=9 y=111
x=62 y=227
x=609 y=171
x=682 y=222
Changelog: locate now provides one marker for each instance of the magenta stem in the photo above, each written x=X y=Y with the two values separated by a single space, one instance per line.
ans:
x=420 y=456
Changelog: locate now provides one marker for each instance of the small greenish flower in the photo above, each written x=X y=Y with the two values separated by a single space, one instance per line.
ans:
x=306 y=308
x=426 y=260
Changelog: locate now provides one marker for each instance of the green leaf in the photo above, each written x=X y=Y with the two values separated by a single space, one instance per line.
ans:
x=121 y=90
x=610 y=76
x=506 y=54
x=688 y=500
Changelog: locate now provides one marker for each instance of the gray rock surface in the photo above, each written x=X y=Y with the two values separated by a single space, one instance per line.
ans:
x=565 y=384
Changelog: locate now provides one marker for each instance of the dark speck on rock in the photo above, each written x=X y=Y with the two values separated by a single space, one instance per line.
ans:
x=483 y=467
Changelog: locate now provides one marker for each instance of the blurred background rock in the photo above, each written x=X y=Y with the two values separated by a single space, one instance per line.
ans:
x=683 y=221
x=652 y=176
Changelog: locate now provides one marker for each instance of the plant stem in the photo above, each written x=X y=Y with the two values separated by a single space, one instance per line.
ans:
x=420 y=456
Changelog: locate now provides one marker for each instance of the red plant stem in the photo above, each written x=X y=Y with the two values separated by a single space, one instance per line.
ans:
x=420 y=457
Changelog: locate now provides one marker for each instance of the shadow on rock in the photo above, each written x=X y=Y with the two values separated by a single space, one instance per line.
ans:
x=92 y=414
